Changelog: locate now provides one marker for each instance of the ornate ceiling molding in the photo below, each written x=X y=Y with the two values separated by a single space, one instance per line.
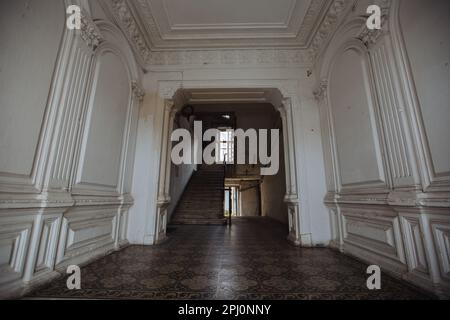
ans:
x=137 y=90
x=127 y=22
x=296 y=39
x=321 y=92
x=168 y=24
x=242 y=57
x=370 y=37
x=125 y=13
x=89 y=32
x=329 y=24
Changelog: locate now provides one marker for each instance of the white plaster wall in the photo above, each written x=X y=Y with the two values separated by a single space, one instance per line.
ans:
x=249 y=200
x=354 y=120
x=141 y=226
x=69 y=110
x=107 y=122
x=19 y=124
x=178 y=181
x=383 y=113
x=273 y=191
x=310 y=163
x=426 y=31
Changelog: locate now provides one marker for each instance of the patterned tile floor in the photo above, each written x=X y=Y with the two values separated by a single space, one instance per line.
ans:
x=252 y=260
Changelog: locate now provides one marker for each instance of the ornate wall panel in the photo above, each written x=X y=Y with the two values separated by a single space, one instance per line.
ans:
x=403 y=227
x=358 y=148
x=84 y=231
x=122 y=228
x=106 y=120
x=49 y=235
x=391 y=111
x=440 y=227
x=414 y=244
x=65 y=197
x=15 y=233
x=425 y=30
x=74 y=91
x=26 y=81
x=376 y=230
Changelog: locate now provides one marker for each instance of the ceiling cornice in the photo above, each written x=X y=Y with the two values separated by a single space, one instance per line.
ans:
x=329 y=24
x=298 y=39
x=127 y=15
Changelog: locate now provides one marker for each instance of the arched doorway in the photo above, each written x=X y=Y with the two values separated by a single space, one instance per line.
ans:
x=173 y=100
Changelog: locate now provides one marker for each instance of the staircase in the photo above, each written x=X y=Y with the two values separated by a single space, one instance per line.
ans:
x=202 y=201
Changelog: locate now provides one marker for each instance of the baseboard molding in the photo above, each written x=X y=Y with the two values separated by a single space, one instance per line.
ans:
x=405 y=276
x=19 y=289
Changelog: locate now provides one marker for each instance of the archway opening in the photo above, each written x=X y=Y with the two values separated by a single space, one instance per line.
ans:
x=251 y=186
x=217 y=108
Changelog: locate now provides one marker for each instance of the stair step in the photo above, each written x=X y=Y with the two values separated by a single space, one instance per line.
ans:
x=202 y=197
x=180 y=218
x=199 y=221
x=196 y=213
x=201 y=211
x=202 y=200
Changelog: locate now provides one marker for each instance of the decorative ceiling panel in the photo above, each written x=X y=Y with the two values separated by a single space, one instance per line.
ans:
x=208 y=24
x=293 y=35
